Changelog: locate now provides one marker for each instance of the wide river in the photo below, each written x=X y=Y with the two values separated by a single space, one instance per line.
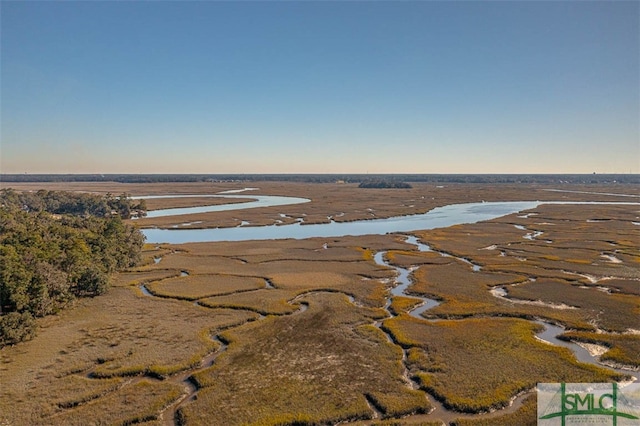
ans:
x=440 y=217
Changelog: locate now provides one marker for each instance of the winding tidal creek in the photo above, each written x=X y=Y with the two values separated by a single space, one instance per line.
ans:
x=437 y=218
x=440 y=217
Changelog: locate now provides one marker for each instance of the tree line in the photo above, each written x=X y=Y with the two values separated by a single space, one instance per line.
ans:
x=55 y=247
x=383 y=183
x=73 y=203
x=552 y=179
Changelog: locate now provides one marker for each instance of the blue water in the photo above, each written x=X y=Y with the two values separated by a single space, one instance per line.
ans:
x=260 y=201
x=439 y=217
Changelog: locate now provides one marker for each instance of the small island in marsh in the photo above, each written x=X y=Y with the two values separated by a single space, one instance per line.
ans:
x=384 y=183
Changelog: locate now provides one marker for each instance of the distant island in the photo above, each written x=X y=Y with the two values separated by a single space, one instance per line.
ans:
x=384 y=183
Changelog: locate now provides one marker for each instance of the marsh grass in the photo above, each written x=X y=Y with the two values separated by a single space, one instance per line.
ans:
x=465 y=351
x=404 y=423
x=329 y=354
x=402 y=304
x=174 y=203
x=346 y=248
x=199 y=265
x=623 y=348
x=138 y=402
x=108 y=337
x=408 y=401
x=317 y=366
x=77 y=390
x=571 y=241
x=143 y=277
x=526 y=415
x=407 y=259
x=265 y=302
x=313 y=252
x=623 y=286
x=193 y=287
x=355 y=273
x=464 y=294
x=613 y=312
x=341 y=277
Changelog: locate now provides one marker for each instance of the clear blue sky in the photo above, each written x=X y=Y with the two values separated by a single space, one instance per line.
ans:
x=320 y=87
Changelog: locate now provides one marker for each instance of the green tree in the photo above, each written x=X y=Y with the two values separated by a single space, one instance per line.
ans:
x=55 y=246
x=16 y=327
x=14 y=281
x=91 y=282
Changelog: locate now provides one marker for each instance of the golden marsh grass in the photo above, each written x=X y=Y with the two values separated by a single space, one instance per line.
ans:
x=328 y=354
x=463 y=351
x=329 y=363
x=193 y=287
x=265 y=302
x=623 y=349
x=138 y=402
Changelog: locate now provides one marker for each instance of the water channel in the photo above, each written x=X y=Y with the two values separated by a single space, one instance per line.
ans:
x=437 y=218
x=549 y=334
x=259 y=201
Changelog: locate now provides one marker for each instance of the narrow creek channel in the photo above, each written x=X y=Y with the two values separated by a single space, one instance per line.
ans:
x=403 y=282
x=549 y=334
x=170 y=416
x=439 y=217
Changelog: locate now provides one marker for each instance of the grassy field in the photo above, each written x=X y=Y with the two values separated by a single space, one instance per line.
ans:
x=175 y=203
x=621 y=349
x=458 y=356
x=286 y=332
x=104 y=339
x=193 y=287
x=525 y=416
x=328 y=354
x=265 y=302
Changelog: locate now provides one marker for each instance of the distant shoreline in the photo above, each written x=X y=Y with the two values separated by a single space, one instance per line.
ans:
x=617 y=178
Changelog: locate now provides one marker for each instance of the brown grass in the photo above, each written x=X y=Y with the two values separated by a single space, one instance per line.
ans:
x=126 y=279
x=198 y=265
x=401 y=304
x=173 y=203
x=624 y=348
x=120 y=334
x=572 y=258
x=613 y=312
x=464 y=351
x=321 y=365
x=327 y=354
x=464 y=293
x=194 y=287
x=77 y=390
x=406 y=259
x=623 y=286
x=138 y=402
x=526 y=415
x=265 y=302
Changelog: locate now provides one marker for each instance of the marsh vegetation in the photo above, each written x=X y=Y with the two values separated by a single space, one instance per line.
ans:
x=306 y=331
